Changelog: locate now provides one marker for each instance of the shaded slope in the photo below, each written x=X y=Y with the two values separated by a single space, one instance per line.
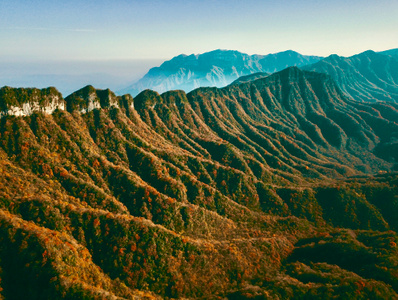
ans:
x=368 y=76
x=250 y=77
x=391 y=52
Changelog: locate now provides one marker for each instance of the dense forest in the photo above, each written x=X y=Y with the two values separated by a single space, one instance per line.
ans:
x=277 y=188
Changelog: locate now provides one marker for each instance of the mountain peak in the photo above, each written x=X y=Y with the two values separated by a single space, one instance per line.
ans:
x=288 y=52
x=368 y=53
x=215 y=68
x=251 y=77
x=292 y=70
x=295 y=73
x=89 y=98
x=147 y=99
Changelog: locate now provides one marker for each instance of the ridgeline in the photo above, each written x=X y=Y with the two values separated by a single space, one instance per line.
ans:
x=280 y=187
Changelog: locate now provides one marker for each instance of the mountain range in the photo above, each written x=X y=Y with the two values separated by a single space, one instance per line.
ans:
x=278 y=186
x=216 y=68
x=368 y=76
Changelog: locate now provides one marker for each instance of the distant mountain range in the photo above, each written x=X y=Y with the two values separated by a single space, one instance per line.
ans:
x=216 y=69
x=368 y=76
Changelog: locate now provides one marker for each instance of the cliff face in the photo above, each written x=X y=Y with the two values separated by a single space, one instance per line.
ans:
x=23 y=102
x=262 y=189
x=88 y=99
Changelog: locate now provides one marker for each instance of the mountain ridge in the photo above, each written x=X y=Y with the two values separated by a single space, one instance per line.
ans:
x=215 y=68
x=391 y=52
x=267 y=189
x=368 y=76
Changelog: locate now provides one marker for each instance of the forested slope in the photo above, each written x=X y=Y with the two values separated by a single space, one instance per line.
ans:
x=280 y=187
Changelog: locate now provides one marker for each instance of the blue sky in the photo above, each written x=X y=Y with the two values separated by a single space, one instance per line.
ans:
x=113 y=43
x=154 y=29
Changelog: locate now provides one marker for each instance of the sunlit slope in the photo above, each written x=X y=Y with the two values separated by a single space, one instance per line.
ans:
x=234 y=192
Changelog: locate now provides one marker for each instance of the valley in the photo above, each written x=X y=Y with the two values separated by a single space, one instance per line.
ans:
x=277 y=187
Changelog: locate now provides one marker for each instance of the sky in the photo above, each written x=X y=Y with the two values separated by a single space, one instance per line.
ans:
x=144 y=32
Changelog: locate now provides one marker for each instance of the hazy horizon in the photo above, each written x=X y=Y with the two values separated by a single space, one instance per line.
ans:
x=70 y=75
x=41 y=37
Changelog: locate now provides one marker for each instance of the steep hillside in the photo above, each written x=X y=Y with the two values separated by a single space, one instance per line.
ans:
x=216 y=68
x=391 y=52
x=368 y=76
x=267 y=189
